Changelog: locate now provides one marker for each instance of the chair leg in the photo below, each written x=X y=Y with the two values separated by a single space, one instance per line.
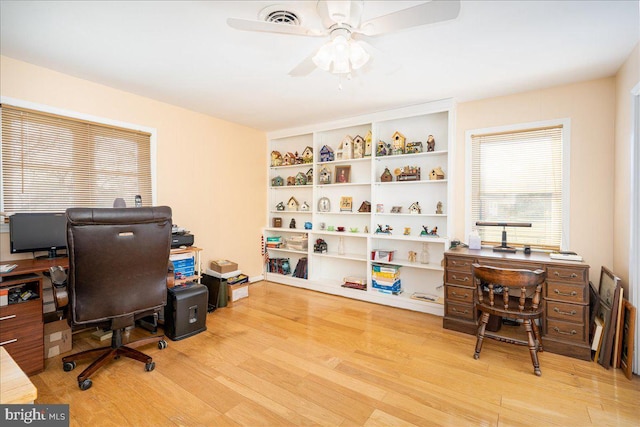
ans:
x=480 y=334
x=533 y=350
x=538 y=336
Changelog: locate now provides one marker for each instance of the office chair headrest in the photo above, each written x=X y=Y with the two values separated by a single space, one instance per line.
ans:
x=93 y=216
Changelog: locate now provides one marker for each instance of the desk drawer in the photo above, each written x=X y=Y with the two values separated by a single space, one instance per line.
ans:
x=459 y=264
x=460 y=294
x=15 y=316
x=568 y=292
x=565 y=311
x=566 y=331
x=461 y=311
x=511 y=265
x=576 y=275
x=458 y=278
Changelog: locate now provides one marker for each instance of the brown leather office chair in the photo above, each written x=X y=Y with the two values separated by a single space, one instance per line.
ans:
x=522 y=304
x=117 y=274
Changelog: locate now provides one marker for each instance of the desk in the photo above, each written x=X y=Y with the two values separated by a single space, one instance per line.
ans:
x=22 y=324
x=16 y=387
x=565 y=322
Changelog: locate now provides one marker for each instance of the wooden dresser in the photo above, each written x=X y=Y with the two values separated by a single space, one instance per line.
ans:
x=565 y=328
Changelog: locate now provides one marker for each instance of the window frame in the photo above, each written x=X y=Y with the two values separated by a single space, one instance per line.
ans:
x=565 y=123
x=4 y=227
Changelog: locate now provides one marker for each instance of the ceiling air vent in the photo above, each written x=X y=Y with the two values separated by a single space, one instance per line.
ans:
x=279 y=15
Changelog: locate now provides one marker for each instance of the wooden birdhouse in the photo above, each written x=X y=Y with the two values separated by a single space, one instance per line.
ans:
x=397 y=144
x=383 y=149
x=325 y=176
x=276 y=158
x=280 y=206
x=291 y=180
x=345 y=149
x=288 y=159
x=310 y=176
x=292 y=204
x=304 y=207
x=307 y=155
x=301 y=179
x=368 y=144
x=413 y=147
x=386 y=176
x=365 y=207
x=277 y=181
x=358 y=147
x=415 y=208
x=326 y=154
x=436 y=173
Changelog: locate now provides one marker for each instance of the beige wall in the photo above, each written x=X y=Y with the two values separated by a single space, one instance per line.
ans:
x=209 y=171
x=591 y=108
x=627 y=78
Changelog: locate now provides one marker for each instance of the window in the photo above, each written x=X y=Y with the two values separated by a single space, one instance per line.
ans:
x=520 y=174
x=51 y=162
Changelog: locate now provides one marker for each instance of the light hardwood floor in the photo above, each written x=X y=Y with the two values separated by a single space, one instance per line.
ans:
x=287 y=356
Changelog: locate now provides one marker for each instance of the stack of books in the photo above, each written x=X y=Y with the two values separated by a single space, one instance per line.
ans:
x=353 y=282
x=386 y=279
x=274 y=241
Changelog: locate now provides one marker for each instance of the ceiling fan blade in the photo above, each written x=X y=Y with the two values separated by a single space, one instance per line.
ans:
x=426 y=13
x=304 y=68
x=271 y=27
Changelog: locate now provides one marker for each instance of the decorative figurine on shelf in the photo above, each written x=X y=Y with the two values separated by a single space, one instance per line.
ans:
x=396 y=209
x=358 y=147
x=307 y=225
x=304 y=207
x=367 y=144
x=386 y=176
x=320 y=247
x=431 y=143
x=299 y=159
x=276 y=158
x=425 y=232
x=310 y=176
x=439 y=208
x=412 y=256
x=365 y=207
x=407 y=231
x=386 y=230
x=345 y=149
x=277 y=222
x=277 y=181
x=292 y=204
x=414 y=147
x=307 y=155
x=366 y=228
x=280 y=206
x=326 y=154
x=301 y=179
x=291 y=180
x=415 y=208
x=288 y=159
x=292 y=224
x=383 y=149
x=324 y=204
x=436 y=173
x=408 y=173
x=397 y=146
x=325 y=176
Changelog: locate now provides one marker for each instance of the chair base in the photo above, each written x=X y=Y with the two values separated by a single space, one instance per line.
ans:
x=107 y=354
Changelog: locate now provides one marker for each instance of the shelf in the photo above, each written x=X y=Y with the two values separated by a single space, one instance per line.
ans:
x=344 y=184
x=293 y=251
x=411 y=215
x=289 y=187
x=422 y=181
x=407 y=263
x=352 y=257
x=299 y=165
x=289 y=212
x=344 y=213
x=413 y=155
x=340 y=233
x=287 y=230
x=410 y=238
x=341 y=162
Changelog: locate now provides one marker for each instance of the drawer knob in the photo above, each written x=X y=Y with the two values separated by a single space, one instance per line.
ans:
x=459 y=295
x=466 y=278
x=7 y=317
x=461 y=312
x=571 y=276
x=564 y=294
x=573 y=331
x=8 y=342
x=566 y=313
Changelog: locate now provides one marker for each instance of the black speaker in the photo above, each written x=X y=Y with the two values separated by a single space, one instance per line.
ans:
x=186 y=311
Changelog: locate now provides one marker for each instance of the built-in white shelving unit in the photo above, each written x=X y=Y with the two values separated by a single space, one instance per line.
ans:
x=326 y=271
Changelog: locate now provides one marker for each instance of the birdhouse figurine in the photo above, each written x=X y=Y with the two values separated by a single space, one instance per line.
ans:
x=301 y=179
x=345 y=149
x=358 y=147
x=277 y=181
x=304 y=207
x=326 y=154
x=386 y=176
x=289 y=159
x=292 y=204
x=276 y=158
x=365 y=207
x=413 y=147
x=415 y=208
x=307 y=155
x=367 y=144
x=325 y=176
x=383 y=149
x=436 y=173
x=280 y=206
x=291 y=180
x=310 y=176
x=397 y=145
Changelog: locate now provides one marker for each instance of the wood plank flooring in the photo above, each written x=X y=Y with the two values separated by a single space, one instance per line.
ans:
x=287 y=356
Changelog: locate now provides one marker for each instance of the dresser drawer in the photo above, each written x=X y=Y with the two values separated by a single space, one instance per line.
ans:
x=568 y=292
x=458 y=278
x=461 y=311
x=566 y=311
x=459 y=264
x=566 y=331
x=460 y=294
x=576 y=275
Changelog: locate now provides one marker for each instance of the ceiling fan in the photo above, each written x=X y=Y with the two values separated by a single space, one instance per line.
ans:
x=341 y=20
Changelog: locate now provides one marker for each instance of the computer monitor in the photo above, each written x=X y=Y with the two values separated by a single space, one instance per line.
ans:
x=34 y=232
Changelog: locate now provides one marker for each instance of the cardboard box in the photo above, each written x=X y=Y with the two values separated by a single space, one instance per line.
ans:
x=237 y=292
x=57 y=338
x=223 y=266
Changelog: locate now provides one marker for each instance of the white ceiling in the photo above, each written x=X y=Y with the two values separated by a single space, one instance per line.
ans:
x=185 y=54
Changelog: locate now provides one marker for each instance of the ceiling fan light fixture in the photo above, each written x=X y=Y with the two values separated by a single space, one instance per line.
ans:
x=324 y=57
x=357 y=55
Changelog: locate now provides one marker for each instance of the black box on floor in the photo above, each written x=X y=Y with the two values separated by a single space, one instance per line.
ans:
x=186 y=311
x=217 y=291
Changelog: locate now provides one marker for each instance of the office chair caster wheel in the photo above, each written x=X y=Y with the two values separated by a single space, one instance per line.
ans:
x=150 y=366
x=69 y=366
x=85 y=385
x=162 y=344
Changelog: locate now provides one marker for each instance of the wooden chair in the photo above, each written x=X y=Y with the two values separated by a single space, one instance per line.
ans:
x=522 y=304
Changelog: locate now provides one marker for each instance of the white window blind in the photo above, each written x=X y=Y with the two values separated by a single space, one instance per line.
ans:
x=517 y=176
x=51 y=162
